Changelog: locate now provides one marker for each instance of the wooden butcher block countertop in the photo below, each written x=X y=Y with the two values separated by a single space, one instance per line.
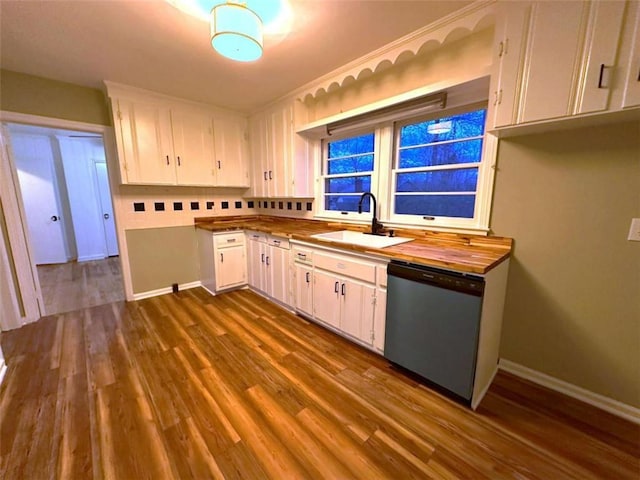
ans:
x=461 y=252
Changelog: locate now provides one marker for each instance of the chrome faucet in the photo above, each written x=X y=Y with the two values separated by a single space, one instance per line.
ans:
x=376 y=226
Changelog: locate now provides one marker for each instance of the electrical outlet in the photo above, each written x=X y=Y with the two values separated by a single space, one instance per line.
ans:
x=634 y=231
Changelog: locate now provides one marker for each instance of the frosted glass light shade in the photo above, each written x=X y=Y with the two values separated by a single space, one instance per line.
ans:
x=236 y=32
x=439 y=127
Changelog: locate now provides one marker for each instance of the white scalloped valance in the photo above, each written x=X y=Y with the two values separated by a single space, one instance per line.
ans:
x=460 y=24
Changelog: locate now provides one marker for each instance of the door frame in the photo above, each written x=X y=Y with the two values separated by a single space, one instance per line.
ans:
x=28 y=282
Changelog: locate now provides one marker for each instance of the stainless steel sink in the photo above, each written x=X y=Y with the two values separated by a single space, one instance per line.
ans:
x=361 y=239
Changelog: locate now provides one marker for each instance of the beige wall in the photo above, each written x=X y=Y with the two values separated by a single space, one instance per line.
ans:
x=49 y=98
x=160 y=257
x=573 y=301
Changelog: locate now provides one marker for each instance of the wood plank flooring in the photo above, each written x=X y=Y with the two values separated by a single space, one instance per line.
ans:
x=192 y=386
x=75 y=285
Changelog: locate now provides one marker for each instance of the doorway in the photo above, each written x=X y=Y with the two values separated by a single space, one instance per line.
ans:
x=63 y=183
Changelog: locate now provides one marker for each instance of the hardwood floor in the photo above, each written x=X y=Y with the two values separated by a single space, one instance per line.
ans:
x=75 y=285
x=193 y=386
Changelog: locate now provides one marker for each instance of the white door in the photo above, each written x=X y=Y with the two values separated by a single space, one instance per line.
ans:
x=36 y=175
x=104 y=197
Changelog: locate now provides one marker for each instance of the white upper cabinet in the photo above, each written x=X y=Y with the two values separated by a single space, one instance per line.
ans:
x=279 y=157
x=231 y=151
x=145 y=146
x=558 y=60
x=165 y=141
x=192 y=147
x=599 y=58
x=510 y=33
x=630 y=54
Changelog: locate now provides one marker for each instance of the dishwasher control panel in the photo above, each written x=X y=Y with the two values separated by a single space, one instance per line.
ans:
x=466 y=283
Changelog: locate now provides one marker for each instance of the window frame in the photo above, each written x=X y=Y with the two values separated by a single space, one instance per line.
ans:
x=384 y=176
x=394 y=170
x=322 y=174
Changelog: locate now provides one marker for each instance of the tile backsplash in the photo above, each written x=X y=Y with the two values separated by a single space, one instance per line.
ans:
x=152 y=207
x=285 y=207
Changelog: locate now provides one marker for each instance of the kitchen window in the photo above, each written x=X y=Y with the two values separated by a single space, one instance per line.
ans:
x=432 y=170
x=348 y=170
x=436 y=166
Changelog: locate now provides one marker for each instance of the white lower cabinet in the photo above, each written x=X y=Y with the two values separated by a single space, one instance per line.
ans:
x=269 y=266
x=326 y=298
x=344 y=291
x=303 y=275
x=344 y=295
x=223 y=260
x=380 y=319
x=344 y=304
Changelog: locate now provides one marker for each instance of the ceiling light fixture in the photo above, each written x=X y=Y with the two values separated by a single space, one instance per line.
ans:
x=439 y=127
x=236 y=31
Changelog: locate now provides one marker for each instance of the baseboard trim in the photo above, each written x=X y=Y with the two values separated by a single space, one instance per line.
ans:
x=607 y=404
x=88 y=258
x=3 y=370
x=164 y=291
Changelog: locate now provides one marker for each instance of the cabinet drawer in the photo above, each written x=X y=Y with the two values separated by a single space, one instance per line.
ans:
x=257 y=237
x=302 y=255
x=346 y=266
x=229 y=239
x=278 y=242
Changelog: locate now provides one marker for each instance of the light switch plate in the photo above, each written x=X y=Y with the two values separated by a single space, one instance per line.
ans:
x=634 y=231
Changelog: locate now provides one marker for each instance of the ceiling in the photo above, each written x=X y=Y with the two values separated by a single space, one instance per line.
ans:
x=152 y=45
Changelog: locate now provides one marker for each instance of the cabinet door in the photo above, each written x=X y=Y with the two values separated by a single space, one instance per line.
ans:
x=231 y=152
x=379 y=319
x=146 y=143
x=552 y=59
x=512 y=25
x=326 y=298
x=254 y=265
x=193 y=147
x=632 y=81
x=280 y=275
x=258 y=143
x=356 y=317
x=599 y=59
x=231 y=267
x=279 y=151
x=304 y=288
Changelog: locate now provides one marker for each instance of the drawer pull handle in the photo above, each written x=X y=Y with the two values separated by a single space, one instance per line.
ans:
x=265 y=175
x=270 y=175
x=167 y=159
x=231 y=240
x=335 y=287
x=307 y=276
x=344 y=289
x=276 y=242
x=178 y=161
x=222 y=258
x=302 y=255
x=267 y=261
x=262 y=257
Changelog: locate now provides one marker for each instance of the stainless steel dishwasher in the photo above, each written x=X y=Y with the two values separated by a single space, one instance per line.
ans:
x=433 y=320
